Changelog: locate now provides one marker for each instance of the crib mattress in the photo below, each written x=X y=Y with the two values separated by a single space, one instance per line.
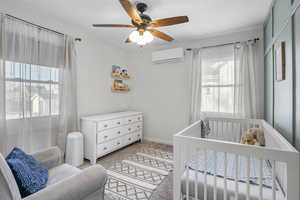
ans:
x=197 y=163
x=242 y=188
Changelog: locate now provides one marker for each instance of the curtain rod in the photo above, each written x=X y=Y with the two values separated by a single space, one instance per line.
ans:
x=41 y=27
x=220 y=45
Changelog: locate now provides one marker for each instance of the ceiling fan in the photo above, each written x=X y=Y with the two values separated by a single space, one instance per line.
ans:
x=144 y=25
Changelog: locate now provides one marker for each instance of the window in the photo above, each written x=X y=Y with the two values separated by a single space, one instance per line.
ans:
x=31 y=90
x=217 y=77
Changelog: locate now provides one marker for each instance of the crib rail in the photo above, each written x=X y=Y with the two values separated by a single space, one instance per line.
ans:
x=186 y=141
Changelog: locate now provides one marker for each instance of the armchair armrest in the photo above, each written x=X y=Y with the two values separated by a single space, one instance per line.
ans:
x=77 y=187
x=49 y=158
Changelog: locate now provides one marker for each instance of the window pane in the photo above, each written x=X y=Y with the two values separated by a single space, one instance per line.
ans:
x=226 y=99
x=12 y=70
x=54 y=74
x=40 y=99
x=217 y=73
x=29 y=91
x=13 y=100
x=54 y=99
x=217 y=66
x=39 y=73
x=210 y=99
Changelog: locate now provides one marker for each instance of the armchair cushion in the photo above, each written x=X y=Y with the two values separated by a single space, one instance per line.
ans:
x=79 y=186
x=49 y=158
x=61 y=172
x=29 y=174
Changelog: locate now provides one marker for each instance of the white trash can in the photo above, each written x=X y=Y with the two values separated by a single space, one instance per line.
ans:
x=74 y=150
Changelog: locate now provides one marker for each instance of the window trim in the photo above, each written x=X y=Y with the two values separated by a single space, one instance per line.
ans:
x=22 y=80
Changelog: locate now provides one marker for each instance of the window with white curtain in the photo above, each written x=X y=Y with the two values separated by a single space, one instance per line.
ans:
x=31 y=90
x=217 y=79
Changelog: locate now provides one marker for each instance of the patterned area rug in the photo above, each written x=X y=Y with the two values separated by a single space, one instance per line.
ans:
x=138 y=176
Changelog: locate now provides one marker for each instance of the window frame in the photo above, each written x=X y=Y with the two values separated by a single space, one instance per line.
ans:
x=232 y=85
x=26 y=80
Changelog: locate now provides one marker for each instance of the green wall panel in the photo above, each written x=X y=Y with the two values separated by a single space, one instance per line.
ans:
x=283 y=90
x=297 y=76
x=281 y=12
x=268 y=31
x=269 y=87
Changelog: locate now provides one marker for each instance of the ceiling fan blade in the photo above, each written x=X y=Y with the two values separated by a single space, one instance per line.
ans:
x=114 y=25
x=160 y=35
x=131 y=11
x=169 y=21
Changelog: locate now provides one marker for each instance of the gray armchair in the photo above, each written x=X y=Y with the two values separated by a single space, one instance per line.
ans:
x=65 y=182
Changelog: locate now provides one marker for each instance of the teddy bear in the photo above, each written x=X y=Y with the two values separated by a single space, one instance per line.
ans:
x=253 y=136
x=124 y=73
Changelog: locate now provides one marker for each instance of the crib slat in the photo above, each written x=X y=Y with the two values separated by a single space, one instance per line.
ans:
x=222 y=129
x=215 y=176
x=205 y=174
x=187 y=194
x=248 y=178
x=196 y=181
x=273 y=180
x=260 y=179
x=236 y=176
x=225 y=176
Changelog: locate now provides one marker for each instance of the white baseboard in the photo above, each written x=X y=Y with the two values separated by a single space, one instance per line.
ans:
x=157 y=140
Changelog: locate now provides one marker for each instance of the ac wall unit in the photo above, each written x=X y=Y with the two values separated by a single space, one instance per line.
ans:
x=168 y=56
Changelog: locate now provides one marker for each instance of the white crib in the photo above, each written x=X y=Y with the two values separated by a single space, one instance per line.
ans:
x=224 y=138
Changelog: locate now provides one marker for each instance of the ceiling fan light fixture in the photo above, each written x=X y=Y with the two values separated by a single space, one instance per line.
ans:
x=141 y=38
x=148 y=37
x=134 y=36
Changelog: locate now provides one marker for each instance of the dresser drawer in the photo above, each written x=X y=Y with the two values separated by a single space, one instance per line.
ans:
x=137 y=126
x=133 y=119
x=104 y=148
x=106 y=135
x=110 y=124
x=134 y=127
x=128 y=138
x=137 y=135
x=117 y=143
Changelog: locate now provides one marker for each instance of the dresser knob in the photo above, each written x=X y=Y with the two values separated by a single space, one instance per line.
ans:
x=129 y=120
x=105 y=125
x=105 y=136
x=129 y=129
x=119 y=123
x=138 y=126
x=129 y=138
x=119 y=132
x=139 y=118
x=104 y=148
x=118 y=143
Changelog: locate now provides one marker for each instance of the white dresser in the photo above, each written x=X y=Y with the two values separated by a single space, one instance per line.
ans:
x=109 y=132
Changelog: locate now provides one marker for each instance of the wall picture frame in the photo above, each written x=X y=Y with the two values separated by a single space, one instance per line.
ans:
x=280 y=61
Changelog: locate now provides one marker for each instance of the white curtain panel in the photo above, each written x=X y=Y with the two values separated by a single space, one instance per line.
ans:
x=195 y=77
x=32 y=87
x=245 y=80
x=223 y=81
x=68 y=118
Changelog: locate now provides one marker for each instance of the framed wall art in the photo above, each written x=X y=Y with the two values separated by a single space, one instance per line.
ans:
x=280 y=62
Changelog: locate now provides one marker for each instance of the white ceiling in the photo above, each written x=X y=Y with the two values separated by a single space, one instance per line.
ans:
x=207 y=17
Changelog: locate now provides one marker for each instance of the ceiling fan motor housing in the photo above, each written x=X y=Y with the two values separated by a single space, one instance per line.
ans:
x=142 y=7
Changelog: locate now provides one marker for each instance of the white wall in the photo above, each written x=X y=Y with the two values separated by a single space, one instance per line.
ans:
x=161 y=92
x=95 y=59
x=94 y=82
